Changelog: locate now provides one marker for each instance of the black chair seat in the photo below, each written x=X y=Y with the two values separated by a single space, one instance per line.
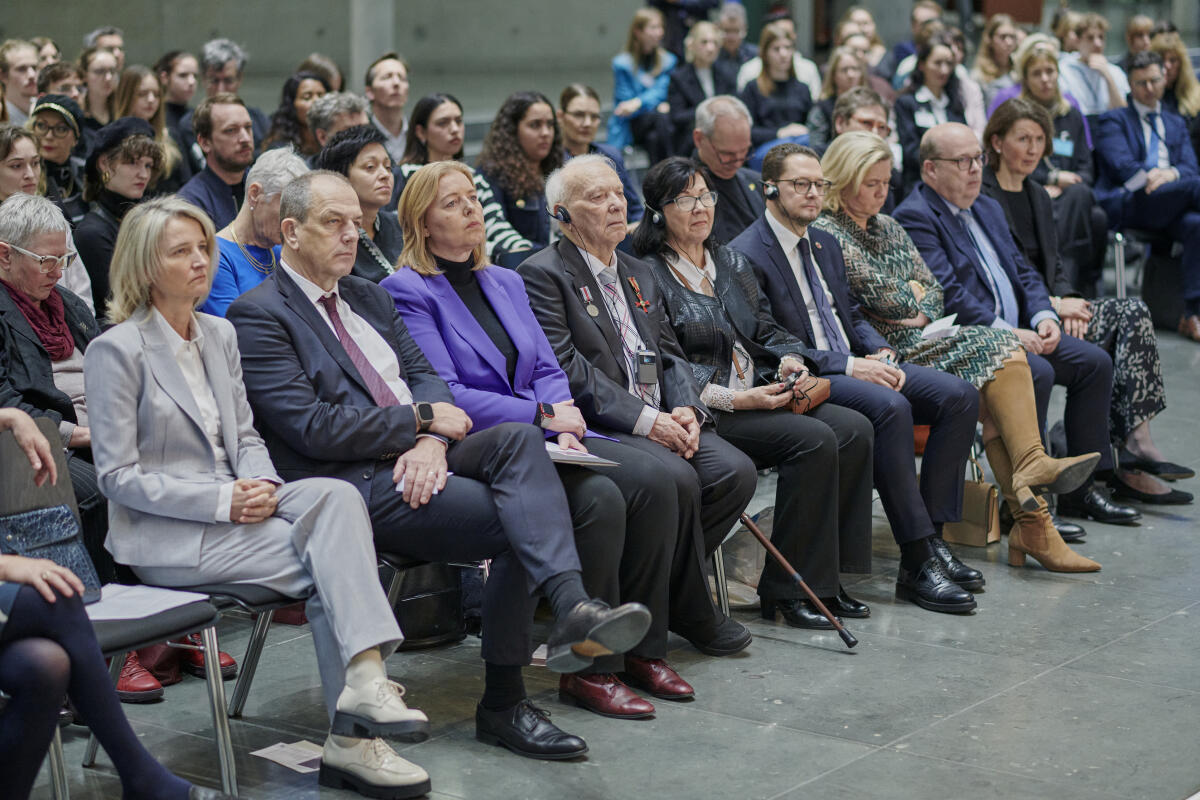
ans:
x=249 y=596
x=400 y=562
x=117 y=637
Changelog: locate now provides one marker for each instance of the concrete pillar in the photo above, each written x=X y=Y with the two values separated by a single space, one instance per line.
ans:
x=372 y=31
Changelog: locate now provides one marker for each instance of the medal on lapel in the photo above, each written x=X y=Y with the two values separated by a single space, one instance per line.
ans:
x=641 y=301
x=590 y=307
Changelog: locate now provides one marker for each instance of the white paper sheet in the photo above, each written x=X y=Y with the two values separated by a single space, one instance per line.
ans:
x=940 y=328
x=302 y=756
x=137 y=602
x=560 y=456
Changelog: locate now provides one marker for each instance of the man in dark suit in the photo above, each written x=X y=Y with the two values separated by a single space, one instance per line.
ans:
x=722 y=139
x=1149 y=177
x=341 y=390
x=605 y=320
x=802 y=274
x=965 y=240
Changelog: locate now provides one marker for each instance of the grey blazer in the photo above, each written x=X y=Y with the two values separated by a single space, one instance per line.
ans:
x=153 y=461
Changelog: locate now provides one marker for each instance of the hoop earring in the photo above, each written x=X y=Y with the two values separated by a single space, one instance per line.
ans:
x=105 y=177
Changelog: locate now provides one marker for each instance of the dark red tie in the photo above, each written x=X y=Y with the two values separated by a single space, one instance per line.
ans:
x=382 y=393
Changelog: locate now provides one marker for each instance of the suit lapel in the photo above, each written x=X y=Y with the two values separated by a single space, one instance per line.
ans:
x=295 y=299
x=732 y=300
x=456 y=313
x=166 y=370
x=957 y=235
x=783 y=269
x=514 y=326
x=217 y=367
x=581 y=278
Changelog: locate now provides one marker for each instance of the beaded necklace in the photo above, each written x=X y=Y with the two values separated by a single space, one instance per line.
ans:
x=260 y=267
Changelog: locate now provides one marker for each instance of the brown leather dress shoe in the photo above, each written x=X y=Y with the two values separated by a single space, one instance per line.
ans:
x=136 y=685
x=193 y=660
x=655 y=676
x=1189 y=326
x=604 y=694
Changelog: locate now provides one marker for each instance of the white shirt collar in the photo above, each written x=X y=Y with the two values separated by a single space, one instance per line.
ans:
x=313 y=292
x=176 y=341
x=695 y=274
x=924 y=95
x=788 y=240
x=1144 y=110
x=595 y=264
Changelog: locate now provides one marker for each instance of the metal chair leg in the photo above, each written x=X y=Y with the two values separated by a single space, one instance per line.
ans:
x=1119 y=258
x=216 y=698
x=258 y=638
x=58 y=768
x=115 y=665
x=718 y=561
x=393 y=592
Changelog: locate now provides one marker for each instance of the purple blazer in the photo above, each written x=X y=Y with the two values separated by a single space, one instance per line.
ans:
x=465 y=357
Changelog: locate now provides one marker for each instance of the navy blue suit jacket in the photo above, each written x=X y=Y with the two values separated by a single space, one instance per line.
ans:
x=949 y=254
x=775 y=275
x=1121 y=152
x=311 y=404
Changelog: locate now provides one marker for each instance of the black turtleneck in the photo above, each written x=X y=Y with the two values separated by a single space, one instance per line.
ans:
x=95 y=238
x=64 y=186
x=462 y=277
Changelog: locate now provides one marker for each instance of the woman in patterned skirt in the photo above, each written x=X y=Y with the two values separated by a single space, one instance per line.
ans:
x=902 y=297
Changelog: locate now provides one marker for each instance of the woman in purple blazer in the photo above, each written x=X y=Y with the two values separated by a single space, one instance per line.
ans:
x=474 y=324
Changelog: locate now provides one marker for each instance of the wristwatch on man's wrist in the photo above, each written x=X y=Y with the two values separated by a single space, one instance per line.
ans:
x=545 y=411
x=424 y=414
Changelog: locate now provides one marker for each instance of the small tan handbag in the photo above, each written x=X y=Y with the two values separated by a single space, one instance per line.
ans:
x=980 y=524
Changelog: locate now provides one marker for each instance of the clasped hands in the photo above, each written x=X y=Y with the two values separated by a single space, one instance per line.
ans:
x=880 y=368
x=1076 y=314
x=1044 y=340
x=678 y=431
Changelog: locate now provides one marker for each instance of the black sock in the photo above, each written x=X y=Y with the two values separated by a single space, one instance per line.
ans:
x=503 y=687
x=915 y=553
x=564 y=591
x=937 y=529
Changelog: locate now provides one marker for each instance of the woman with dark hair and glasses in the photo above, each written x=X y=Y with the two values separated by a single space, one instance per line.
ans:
x=579 y=119
x=742 y=358
x=289 y=123
x=523 y=146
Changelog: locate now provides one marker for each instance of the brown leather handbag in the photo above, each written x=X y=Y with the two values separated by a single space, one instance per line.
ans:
x=810 y=391
x=980 y=524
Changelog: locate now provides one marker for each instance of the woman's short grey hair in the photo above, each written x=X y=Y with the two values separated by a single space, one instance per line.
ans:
x=328 y=107
x=733 y=10
x=559 y=186
x=108 y=30
x=220 y=51
x=721 y=105
x=24 y=217
x=275 y=169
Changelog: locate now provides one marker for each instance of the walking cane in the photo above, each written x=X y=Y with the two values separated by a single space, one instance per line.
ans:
x=846 y=635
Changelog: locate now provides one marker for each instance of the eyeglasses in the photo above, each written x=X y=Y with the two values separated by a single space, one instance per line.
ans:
x=583 y=116
x=102 y=72
x=803 y=185
x=687 y=202
x=965 y=163
x=56 y=262
x=880 y=129
x=45 y=129
x=1148 y=83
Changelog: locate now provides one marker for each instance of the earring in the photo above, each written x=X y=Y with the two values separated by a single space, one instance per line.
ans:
x=252 y=206
x=105 y=177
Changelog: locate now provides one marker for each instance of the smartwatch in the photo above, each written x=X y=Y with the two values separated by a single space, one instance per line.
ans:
x=424 y=412
x=545 y=411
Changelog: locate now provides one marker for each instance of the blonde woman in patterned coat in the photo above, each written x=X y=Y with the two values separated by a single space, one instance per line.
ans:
x=901 y=296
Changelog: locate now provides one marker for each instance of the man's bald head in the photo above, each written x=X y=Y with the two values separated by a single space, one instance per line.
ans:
x=952 y=163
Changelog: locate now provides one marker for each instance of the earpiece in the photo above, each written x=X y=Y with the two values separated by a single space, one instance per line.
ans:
x=561 y=214
x=770 y=191
x=656 y=218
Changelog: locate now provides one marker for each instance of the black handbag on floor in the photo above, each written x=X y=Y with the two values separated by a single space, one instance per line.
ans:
x=51 y=533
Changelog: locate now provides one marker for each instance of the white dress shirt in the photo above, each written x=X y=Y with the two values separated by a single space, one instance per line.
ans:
x=705 y=76
x=1087 y=86
x=191 y=364
x=937 y=106
x=1164 y=155
x=378 y=352
x=790 y=243
x=806 y=72
x=646 y=419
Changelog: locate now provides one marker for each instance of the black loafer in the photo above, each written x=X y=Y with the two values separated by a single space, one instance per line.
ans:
x=1096 y=504
x=527 y=730
x=970 y=579
x=846 y=606
x=932 y=589
x=593 y=629
x=797 y=613
x=723 y=638
x=1166 y=470
x=1069 y=531
x=1172 y=497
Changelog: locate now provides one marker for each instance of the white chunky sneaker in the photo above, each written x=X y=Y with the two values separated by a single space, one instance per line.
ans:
x=378 y=709
x=371 y=768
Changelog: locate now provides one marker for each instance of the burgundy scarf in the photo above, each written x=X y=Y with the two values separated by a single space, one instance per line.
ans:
x=48 y=320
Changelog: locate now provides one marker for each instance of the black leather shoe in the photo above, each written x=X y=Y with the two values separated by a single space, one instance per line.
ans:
x=1096 y=504
x=797 y=613
x=1172 y=497
x=1166 y=470
x=527 y=730
x=1069 y=531
x=846 y=606
x=723 y=638
x=932 y=589
x=970 y=579
x=593 y=629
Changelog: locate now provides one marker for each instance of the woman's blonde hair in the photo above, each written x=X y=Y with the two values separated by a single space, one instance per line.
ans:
x=770 y=34
x=829 y=85
x=986 y=69
x=847 y=161
x=1039 y=47
x=418 y=196
x=137 y=258
x=694 y=35
x=123 y=98
x=1187 y=88
x=641 y=18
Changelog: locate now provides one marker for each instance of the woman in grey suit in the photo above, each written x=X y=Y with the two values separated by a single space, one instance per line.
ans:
x=194 y=497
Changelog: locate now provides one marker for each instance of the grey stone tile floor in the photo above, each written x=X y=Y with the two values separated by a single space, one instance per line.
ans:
x=1073 y=687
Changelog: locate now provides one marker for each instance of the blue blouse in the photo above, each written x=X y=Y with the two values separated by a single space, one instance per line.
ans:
x=236 y=274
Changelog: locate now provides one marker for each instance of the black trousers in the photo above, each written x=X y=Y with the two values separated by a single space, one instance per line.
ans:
x=821 y=455
x=93 y=513
x=505 y=502
x=950 y=406
x=1087 y=372
x=1174 y=209
x=712 y=490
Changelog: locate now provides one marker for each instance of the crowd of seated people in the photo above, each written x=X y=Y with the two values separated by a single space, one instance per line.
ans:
x=324 y=335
